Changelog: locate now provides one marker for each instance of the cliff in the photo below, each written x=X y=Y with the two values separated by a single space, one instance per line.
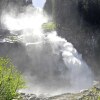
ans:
x=78 y=22
x=13 y=6
x=14 y=50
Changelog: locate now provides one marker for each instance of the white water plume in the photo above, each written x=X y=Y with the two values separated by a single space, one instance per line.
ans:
x=57 y=67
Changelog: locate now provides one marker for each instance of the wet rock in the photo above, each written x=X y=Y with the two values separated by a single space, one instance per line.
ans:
x=24 y=96
x=88 y=94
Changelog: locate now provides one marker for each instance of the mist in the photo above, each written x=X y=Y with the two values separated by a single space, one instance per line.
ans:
x=54 y=66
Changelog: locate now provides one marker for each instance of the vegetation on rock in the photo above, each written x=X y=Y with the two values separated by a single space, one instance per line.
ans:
x=91 y=94
x=48 y=27
x=12 y=38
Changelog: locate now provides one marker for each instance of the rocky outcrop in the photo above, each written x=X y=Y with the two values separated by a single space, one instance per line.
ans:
x=17 y=53
x=72 y=25
x=13 y=6
x=29 y=2
x=21 y=3
x=90 y=94
x=90 y=10
x=24 y=96
x=48 y=7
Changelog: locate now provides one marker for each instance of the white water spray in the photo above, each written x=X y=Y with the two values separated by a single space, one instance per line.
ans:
x=57 y=67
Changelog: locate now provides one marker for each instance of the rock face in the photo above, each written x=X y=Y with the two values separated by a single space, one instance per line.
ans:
x=5 y=3
x=13 y=50
x=15 y=6
x=48 y=7
x=73 y=24
x=24 y=96
x=29 y=2
x=17 y=53
x=90 y=10
x=9 y=4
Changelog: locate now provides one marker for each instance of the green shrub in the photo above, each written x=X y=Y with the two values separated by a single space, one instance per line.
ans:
x=11 y=80
x=48 y=27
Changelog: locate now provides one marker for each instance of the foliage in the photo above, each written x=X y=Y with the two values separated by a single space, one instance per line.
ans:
x=93 y=94
x=12 y=38
x=10 y=80
x=48 y=27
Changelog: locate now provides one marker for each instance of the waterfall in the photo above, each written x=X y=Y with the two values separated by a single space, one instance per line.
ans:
x=57 y=67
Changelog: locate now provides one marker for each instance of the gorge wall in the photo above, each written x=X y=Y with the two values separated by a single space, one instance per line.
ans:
x=15 y=50
x=8 y=6
x=78 y=22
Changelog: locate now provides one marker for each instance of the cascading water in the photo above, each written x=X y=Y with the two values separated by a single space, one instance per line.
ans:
x=57 y=67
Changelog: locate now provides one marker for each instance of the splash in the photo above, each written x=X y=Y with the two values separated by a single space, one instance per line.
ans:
x=57 y=67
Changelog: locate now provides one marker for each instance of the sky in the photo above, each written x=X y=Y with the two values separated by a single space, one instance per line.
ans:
x=39 y=3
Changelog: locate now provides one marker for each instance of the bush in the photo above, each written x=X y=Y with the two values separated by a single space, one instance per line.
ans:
x=11 y=80
x=48 y=27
